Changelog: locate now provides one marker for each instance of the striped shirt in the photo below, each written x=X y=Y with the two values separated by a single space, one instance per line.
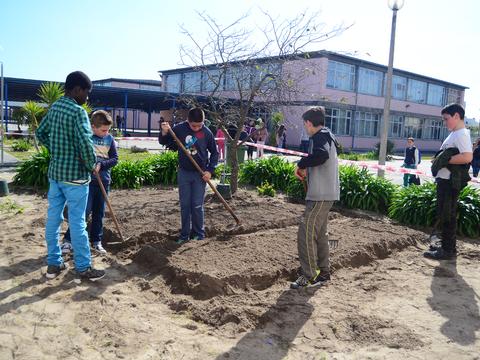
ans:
x=65 y=131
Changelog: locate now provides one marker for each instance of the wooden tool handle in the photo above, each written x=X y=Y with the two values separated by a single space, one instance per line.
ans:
x=190 y=157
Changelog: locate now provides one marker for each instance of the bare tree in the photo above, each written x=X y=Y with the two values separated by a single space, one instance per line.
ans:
x=244 y=68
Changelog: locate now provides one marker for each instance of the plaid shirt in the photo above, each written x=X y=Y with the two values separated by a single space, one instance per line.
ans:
x=66 y=132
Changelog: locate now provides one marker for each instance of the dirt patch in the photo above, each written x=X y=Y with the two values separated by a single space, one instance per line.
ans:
x=235 y=274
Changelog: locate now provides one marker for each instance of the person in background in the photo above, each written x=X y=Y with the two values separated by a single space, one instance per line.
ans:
x=411 y=161
x=220 y=138
x=476 y=159
x=260 y=137
x=281 y=137
x=250 y=130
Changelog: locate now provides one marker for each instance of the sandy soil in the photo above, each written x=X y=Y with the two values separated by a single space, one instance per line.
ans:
x=227 y=297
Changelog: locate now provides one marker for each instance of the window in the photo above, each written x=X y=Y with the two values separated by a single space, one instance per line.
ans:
x=212 y=80
x=435 y=95
x=399 y=87
x=396 y=126
x=370 y=81
x=453 y=96
x=192 y=81
x=238 y=76
x=417 y=91
x=338 y=121
x=413 y=127
x=172 y=83
x=433 y=129
x=366 y=123
x=341 y=76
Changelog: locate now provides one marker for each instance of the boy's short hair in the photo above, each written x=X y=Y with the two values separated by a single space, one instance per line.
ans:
x=101 y=118
x=196 y=115
x=78 y=78
x=451 y=109
x=411 y=139
x=316 y=115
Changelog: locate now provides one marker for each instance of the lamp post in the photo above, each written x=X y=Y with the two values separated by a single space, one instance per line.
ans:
x=2 y=111
x=395 y=5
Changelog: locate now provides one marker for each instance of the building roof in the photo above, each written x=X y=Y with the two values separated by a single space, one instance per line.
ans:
x=130 y=81
x=328 y=54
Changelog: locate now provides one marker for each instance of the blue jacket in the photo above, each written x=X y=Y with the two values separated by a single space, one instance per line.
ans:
x=107 y=156
x=199 y=143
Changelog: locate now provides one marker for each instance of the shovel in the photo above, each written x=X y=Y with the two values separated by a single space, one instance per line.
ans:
x=190 y=157
x=105 y=196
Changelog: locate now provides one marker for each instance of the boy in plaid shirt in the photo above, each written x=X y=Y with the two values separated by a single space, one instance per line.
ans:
x=65 y=131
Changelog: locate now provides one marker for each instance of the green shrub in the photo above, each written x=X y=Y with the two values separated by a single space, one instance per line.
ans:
x=296 y=190
x=415 y=205
x=21 y=145
x=266 y=190
x=131 y=174
x=361 y=190
x=164 y=167
x=468 y=222
x=274 y=170
x=34 y=171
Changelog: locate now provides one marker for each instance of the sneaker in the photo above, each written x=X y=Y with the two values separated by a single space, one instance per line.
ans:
x=318 y=280
x=91 y=274
x=99 y=248
x=439 y=254
x=54 y=270
x=180 y=241
x=66 y=247
x=196 y=237
x=437 y=246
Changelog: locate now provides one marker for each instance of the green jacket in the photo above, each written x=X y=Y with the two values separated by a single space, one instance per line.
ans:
x=67 y=134
x=459 y=173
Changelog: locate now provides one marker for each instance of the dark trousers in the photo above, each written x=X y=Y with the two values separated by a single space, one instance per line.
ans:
x=191 y=189
x=95 y=206
x=447 y=199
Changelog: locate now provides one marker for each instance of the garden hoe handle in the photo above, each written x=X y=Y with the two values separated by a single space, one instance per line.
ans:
x=181 y=146
x=105 y=196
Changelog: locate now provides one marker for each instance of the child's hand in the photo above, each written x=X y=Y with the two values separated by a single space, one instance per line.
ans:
x=206 y=176
x=300 y=173
x=97 y=168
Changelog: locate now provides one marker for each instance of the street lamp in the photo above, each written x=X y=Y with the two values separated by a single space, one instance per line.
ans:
x=395 y=5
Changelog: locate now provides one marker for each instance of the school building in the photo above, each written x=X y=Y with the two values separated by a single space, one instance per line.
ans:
x=352 y=92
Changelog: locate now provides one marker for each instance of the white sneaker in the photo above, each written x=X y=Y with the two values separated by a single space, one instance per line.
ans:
x=66 y=247
x=99 y=248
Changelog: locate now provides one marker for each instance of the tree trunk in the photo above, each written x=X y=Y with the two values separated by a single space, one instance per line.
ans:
x=233 y=159
x=35 y=143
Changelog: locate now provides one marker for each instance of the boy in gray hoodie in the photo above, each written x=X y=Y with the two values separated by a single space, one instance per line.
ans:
x=320 y=168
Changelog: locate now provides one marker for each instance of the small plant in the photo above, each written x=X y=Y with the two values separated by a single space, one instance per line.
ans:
x=266 y=190
x=8 y=206
x=21 y=145
x=34 y=171
x=131 y=174
x=164 y=167
x=274 y=170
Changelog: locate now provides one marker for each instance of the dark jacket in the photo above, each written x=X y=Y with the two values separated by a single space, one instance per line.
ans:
x=200 y=144
x=459 y=173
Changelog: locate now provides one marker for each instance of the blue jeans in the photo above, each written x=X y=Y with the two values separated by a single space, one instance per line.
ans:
x=95 y=206
x=75 y=196
x=191 y=188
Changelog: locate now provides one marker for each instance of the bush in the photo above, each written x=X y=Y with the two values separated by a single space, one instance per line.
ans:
x=362 y=190
x=266 y=190
x=21 y=145
x=274 y=170
x=164 y=167
x=296 y=190
x=34 y=171
x=468 y=220
x=131 y=174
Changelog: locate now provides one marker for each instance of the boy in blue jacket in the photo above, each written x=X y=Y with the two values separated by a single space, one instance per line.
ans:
x=200 y=142
x=107 y=157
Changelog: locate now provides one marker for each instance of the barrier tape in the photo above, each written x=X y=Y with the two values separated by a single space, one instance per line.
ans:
x=387 y=168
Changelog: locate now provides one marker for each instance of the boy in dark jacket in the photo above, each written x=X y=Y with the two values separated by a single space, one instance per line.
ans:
x=106 y=158
x=321 y=165
x=447 y=190
x=411 y=161
x=200 y=142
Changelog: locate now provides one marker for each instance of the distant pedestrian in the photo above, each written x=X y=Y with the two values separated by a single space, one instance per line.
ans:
x=250 y=129
x=476 y=159
x=411 y=161
x=220 y=138
x=281 y=137
x=261 y=136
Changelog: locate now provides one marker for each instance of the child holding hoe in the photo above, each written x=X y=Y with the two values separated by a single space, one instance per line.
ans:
x=65 y=131
x=107 y=157
x=200 y=142
x=320 y=168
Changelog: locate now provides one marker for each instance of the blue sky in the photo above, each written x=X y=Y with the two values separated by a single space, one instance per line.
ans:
x=134 y=39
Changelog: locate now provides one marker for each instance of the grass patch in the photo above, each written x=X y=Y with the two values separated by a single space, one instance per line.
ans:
x=127 y=154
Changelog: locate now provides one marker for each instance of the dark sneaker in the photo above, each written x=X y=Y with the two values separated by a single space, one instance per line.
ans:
x=302 y=281
x=180 y=241
x=437 y=246
x=196 y=237
x=439 y=254
x=318 y=280
x=91 y=274
x=53 y=270
x=66 y=247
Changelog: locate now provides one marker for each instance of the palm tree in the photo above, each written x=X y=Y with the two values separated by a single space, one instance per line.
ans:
x=34 y=113
x=50 y=92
